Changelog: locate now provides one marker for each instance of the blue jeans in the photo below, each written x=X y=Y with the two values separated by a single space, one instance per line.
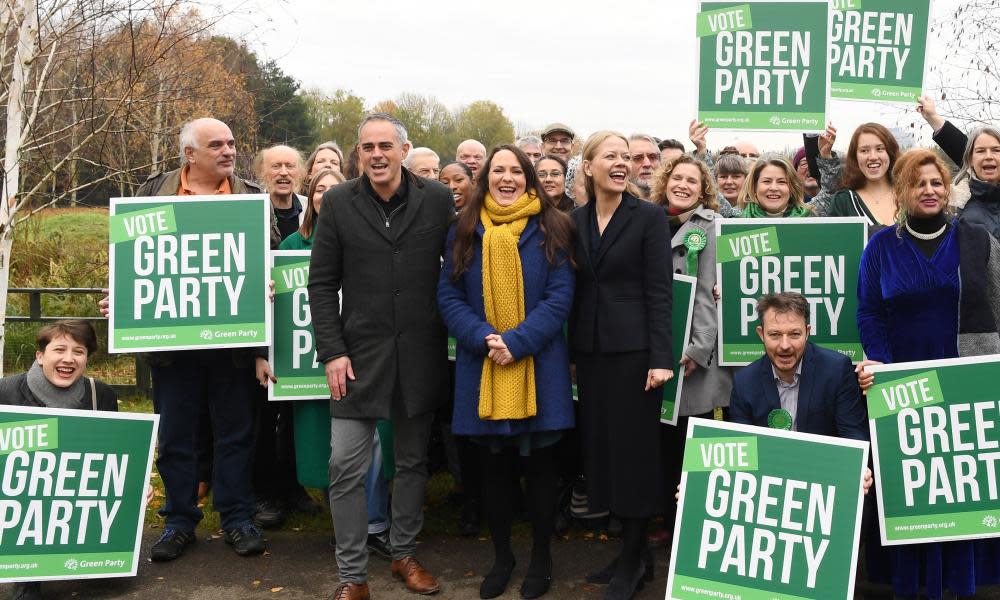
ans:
x=197 y=377
x=377 y=491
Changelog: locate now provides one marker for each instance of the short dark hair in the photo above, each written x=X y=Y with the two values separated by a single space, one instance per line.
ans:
x=78 y=330
x=783 y=302
x=670 y=143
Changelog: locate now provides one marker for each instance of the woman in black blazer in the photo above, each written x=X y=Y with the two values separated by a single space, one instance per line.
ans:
x=621 y=345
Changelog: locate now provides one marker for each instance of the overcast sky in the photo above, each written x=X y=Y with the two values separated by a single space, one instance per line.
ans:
x=593 y=64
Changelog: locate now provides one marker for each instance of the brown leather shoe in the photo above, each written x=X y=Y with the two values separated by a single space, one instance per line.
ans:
x=417 y=578
x=351 y=591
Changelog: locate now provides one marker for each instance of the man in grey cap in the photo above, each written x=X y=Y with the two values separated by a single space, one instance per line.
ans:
x=557 y=140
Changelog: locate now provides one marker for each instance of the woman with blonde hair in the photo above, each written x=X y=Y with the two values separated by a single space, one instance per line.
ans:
x=620 y=339
x=772 y=190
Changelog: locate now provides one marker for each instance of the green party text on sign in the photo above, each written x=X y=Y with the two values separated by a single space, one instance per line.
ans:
x=763 y=65
x=293 y=348
x=188 y=272
x=72 y=492
x=935 y=430
x=878 y=49
x=815 y=257
x=757 y=519
x=682 y=310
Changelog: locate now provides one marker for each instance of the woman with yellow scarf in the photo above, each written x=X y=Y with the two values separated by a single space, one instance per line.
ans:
x=505 y=292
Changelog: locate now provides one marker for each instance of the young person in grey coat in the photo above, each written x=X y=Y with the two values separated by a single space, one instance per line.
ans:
x=380 y=244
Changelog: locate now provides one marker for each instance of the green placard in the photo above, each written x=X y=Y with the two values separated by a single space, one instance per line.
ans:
x=818 y=258
x=763 y=65
x=935 y=429
x=293 y=350
x=758 y=520
x=72 y=497
x=682 y=310
x=188 y=272
x=878 y=50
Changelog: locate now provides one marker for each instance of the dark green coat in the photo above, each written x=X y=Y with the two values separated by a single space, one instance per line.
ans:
x=389 y=325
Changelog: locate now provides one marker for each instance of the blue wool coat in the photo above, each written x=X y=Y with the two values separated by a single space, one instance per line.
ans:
x=548 y=297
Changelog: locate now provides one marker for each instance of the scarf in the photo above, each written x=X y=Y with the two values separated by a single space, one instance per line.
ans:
x=754 y=211
x=54 y=396
x=505 y=392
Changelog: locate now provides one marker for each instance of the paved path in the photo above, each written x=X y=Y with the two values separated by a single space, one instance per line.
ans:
x=300 y=565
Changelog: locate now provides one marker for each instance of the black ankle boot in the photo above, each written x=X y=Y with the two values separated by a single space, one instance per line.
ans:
x=495 y=582
x=625 y=583
x=536 y=583
x=603 y=577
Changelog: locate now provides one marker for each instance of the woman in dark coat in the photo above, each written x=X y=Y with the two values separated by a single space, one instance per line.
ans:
x=55 y=380
x=621 y=344
x=929 y=289
x=505 y=292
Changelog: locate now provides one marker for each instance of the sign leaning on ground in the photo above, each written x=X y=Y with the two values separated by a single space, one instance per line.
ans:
x=763 y=64
x=293 y=349
x=72 y=492
x=757 y=519
x=935 y=430
x=188 y=272
x=815 y=257
x=878 y=49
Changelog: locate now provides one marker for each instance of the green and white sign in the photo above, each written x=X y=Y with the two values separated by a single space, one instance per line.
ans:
x=72 y=492
x=878 y=49
x=188 y=272
x=935 y=430
x=757 y=520
x=682 y=309
x=763 y=64
x=293 y=350
x=817 y=258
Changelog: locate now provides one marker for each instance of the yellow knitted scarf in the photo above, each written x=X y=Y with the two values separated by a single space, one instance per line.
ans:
x=505 y=392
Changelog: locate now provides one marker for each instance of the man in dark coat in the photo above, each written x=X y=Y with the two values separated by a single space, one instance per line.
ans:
x=379 y=244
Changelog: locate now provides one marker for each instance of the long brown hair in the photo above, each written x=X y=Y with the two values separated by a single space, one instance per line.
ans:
x=556 y=226
x=853 y=178
x=309 y=219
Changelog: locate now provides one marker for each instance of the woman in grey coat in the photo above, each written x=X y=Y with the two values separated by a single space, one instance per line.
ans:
x=685 y=189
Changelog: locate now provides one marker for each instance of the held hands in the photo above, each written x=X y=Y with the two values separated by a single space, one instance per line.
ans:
x=928 y=110
x=104 y=304
x=338 y=371
x=868 y=481
x=264 y=373
x=498 y=350
x=826 y=140
x=657 y=377
x=697 y=132
x=270 y=290
x=865 y=379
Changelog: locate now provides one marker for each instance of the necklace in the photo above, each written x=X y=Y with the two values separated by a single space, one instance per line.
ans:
x=926 y=236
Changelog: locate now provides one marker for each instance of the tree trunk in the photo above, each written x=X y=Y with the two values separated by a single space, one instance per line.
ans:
x=24 y=53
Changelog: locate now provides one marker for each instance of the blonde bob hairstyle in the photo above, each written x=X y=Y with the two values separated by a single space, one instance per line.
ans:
x=661 y=178
x=748 y=195
x=590 y=151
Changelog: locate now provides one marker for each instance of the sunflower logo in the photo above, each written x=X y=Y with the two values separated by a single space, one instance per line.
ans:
x=72 y=564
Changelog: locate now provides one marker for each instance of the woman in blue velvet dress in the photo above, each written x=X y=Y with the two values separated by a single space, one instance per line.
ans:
x=921 y=295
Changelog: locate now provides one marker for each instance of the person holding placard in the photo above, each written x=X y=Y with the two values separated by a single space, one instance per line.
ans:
x=772 y=190
x=56 y=380
x=977 y=186
x=684 y=187
x=866 y=177
x=620 y=337
x=505 y=292
x=929 y=289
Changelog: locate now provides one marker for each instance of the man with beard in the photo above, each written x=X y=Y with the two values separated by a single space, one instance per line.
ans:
x=645 y=161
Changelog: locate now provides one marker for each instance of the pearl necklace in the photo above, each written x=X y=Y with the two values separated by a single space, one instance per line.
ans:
x=926 y=236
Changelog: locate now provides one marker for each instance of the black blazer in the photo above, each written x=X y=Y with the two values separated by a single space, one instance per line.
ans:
x=830 y=401
x=622 y=301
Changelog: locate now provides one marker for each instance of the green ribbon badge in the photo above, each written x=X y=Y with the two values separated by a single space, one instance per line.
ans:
x=779 y=418
x=695 y=241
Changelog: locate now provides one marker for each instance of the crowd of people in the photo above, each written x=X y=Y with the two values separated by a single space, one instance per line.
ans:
x=549 y=269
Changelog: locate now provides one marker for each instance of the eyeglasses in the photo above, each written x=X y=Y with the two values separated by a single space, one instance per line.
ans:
x=559 y=141
x=652 y=157
x=553 y=174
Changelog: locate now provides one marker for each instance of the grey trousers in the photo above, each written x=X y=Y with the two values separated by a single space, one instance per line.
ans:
x=350 y=456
